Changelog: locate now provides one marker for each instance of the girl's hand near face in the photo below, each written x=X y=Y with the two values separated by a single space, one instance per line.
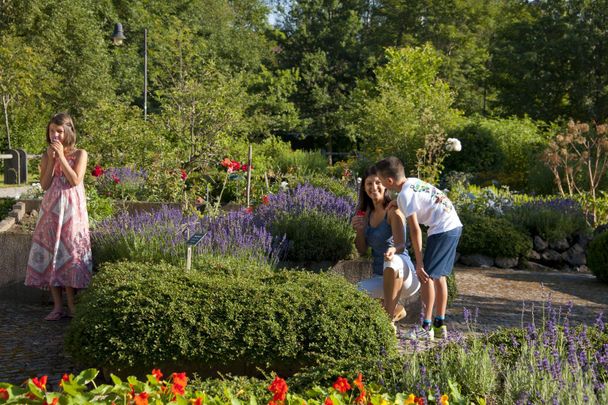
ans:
x=58 y=149
x=50 y=152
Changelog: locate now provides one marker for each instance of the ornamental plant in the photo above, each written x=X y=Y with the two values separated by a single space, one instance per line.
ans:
x=176 y=389
x=226 y=315
x=597 y=257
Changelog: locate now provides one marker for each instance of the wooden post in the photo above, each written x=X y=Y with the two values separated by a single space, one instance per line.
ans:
x=249 y=158
x=189 y=258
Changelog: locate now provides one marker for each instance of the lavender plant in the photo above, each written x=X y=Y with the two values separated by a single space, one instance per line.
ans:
x=161 y=236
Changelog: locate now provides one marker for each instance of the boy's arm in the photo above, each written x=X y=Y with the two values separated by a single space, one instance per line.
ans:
x=416 y=235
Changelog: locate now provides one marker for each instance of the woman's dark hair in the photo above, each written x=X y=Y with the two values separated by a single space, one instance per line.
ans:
x=365 y=201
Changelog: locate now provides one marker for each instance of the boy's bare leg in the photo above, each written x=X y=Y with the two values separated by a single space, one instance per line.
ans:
x=441 y=296
x=427 y=292
x=392 y=290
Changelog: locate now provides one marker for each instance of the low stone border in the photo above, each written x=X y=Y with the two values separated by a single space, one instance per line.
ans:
x=14 y=217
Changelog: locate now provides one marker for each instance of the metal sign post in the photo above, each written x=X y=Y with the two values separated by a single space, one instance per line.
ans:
x=192 y=242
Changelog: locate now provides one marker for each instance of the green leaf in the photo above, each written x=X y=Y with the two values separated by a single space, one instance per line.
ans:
x=115 y=379
x=87 y=376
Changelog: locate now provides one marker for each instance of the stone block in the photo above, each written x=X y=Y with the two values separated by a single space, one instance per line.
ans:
x=353 y=270
x=559 y=245
x=551 y=255
x=540 y=244
x=506 y=262
x=18 y=211
x=533 y=255
x=477 y=260
x=575 y=256
x=6 y=224
x=539 y=267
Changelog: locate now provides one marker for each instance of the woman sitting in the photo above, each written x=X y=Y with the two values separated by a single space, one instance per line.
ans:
x=384 y=231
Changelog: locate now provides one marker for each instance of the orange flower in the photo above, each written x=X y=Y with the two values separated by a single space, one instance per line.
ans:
x=361 y=398
x=359 y=382
x=156 y=373
x=141 y=398
x=444 y=400
x=180 y=379
x=177 y=389
x=40 y=383
x=3 y=393
x=279 y=388
x=198 y=401
x=341 y=385
x=328 y=401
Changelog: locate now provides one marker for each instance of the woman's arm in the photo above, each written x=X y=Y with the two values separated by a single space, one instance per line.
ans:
x=358 y=223
x=397 y=223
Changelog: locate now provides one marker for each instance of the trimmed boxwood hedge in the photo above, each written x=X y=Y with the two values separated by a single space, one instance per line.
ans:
x=494 y=237
x=222 y=318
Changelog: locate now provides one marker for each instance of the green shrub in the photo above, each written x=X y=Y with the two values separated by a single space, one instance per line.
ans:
x=315 y=236
x=597 y=257
x=222 y=318
x=551 y=223
x=491 y=236
x=6 y=206
x=336 y=186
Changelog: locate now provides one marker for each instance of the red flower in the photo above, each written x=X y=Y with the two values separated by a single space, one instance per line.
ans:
x=97 y=171
x=361 y=398
x=249 y=210
x=40 y=383
x=141 y=399
x=116 y=179
x=341 y=385
x=178 y=389
x=279 y=388
x=265 y=200
x=328 y=401
x=360 y=213
x=64 y=378
x=419 y=401
x=3 y=393
x=236 y=165
x=156 y=373
x=226 y=163
x=180 y=379
x=183 y=175
x=198 y=401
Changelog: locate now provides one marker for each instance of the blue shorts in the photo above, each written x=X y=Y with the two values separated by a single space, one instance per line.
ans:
x=440 y=253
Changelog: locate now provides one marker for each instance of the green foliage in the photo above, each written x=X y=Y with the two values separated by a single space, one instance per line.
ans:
x=549 y=223
x=315 y=236
x=98 y=206
x=341 y=188
x=6 y=206
x=597 y=256
x=498 y=149
x=408 y=101
x=220 y=317
x=491 y=236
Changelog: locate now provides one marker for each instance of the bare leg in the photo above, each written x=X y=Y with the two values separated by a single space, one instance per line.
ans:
x=427 y=292
x=69 y=294
x=441 y=296
x=55 y=314
x=392 y=289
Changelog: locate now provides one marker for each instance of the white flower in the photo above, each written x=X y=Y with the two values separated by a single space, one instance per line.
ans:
x=453 y=145
x=284 y=186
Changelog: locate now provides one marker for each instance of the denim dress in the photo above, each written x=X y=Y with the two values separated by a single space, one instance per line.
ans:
x=379 y=238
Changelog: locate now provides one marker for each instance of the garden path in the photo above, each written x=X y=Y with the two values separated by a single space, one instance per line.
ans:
x=30 y=346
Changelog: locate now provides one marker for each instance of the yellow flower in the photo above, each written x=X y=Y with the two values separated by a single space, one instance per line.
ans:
x=444 y=400
x=410 y=399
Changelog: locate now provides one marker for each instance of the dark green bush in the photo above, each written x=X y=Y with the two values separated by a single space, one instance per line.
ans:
x=315 y=236
x=597 y=257
x=332 y=184
x=6 y=206
x=491 y=236
x=221 y=318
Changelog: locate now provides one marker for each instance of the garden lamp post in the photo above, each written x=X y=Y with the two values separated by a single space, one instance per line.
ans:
x=117 y=38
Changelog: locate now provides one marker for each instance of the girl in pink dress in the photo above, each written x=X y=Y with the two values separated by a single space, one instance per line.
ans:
x=60 y=257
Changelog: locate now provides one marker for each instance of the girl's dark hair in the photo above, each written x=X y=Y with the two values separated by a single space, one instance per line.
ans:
x=365 y=201
x=69 y=133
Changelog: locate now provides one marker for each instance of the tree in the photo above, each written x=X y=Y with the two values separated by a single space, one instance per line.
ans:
x=405 y=105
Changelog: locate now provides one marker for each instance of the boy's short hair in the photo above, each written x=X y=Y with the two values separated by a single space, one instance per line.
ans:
x=391 y=167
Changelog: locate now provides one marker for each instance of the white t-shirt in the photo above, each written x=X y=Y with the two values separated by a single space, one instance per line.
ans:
x=432 y=207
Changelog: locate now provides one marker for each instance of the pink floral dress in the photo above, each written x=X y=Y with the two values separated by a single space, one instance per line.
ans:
x=61 y=248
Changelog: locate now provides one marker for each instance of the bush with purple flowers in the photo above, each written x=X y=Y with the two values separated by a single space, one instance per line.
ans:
x=161 y=236
x=122 y=183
